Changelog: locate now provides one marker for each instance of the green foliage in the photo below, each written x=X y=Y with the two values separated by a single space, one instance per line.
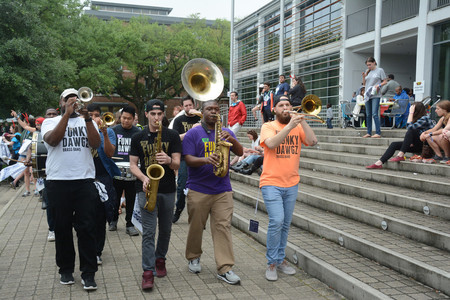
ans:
x=31 y=69
x=49 y=45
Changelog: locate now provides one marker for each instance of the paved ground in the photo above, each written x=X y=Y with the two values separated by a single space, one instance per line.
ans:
x=28 y=269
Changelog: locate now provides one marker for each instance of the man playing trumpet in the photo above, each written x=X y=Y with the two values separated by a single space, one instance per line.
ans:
x=144 y=146
x=282 y=140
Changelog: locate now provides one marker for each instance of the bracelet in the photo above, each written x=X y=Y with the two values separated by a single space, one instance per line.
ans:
x=88 y=120
x=431 y=134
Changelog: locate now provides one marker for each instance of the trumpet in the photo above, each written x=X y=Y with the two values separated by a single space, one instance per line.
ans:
x=84 y=96
x=107 y=120
x=311 y=106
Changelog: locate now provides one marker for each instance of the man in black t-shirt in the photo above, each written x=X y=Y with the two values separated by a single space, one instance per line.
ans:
x=182 y=124
x=144 y=150
x=124 y=131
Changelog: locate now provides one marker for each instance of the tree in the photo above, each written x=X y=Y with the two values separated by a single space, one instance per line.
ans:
x=156 y=54
x=31 y=68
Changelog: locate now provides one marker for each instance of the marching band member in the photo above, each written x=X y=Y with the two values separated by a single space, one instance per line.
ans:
x=71 y=189
x=182 y=124
x=124 y=131
x=144 y=149
x=105 y=170
x=209 y=194
x=282 y=140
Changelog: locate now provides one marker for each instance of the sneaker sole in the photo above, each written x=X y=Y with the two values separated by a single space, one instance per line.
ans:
x=226 y=280
x=193 y=271
x=88 y=288
x=67 y=282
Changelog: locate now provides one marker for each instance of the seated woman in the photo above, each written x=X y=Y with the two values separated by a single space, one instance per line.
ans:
x=250 y=154
x=417 y=122
x=434 y=136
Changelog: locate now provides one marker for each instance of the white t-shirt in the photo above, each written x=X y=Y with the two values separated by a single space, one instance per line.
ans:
x=71 y=158
x=255 y=143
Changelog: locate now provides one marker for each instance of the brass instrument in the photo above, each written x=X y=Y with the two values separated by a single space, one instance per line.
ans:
x=222 y=149
x=311 y=106
x=202 y=79
x=155 y=172
x=108 y=119
x=84 y=96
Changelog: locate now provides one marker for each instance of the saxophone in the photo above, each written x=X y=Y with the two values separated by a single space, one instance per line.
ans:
x=222 y=149
x=155 y=172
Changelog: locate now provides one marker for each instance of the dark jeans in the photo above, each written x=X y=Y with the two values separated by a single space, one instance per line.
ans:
x=130 y=195
x=411 y=143
x=181 y=184
x=372 y=109
x=329 y=125
x=50 y=210
x=74 y=203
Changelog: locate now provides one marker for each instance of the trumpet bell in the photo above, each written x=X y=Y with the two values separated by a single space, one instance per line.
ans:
x=85 y=94
x=108 y=119
x=202 y=79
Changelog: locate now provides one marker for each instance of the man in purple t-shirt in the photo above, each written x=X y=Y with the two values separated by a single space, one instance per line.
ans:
x=209 y=194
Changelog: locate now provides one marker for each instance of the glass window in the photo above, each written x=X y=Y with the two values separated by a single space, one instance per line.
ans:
x=247 y=89
x=441 y=61
x=247 y=44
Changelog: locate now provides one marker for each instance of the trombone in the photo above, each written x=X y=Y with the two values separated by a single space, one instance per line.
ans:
x=311 y=106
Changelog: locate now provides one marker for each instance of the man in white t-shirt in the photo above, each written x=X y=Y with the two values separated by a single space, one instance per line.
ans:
x=70 y=186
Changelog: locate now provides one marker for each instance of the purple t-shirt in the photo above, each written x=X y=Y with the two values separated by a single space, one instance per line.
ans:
x=197 y=142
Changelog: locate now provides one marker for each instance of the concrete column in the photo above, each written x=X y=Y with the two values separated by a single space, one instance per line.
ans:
x=377 y=41
x=281 y=61
x=424 y=57
x=231 y=47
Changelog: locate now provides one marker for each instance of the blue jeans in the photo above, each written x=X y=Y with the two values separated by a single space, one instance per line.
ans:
x=372 y=108
x=280 y=203
x=161 y=215
x=181 y=184
x=250 y=159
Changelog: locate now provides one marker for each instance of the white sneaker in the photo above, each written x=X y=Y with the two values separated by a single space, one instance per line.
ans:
x=286 y=269
x=271 y=273
x=194 y=266
x=51 y=236
x=229 y=277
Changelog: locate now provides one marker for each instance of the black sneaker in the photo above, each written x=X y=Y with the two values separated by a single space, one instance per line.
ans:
x=66 y=278
x=89 y=284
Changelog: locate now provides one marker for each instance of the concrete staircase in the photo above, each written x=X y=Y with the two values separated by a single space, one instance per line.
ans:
x=369 y=234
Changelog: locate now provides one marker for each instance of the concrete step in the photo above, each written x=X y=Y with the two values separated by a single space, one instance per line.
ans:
x=417 y=226
x=420 y=181
x=349 y=273
x=423 y=202
x=426 y=264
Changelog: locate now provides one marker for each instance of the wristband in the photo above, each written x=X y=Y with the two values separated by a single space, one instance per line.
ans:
x=431 y=134
x=88 y=120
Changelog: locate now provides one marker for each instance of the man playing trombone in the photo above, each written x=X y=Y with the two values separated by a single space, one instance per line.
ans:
x=282 y=140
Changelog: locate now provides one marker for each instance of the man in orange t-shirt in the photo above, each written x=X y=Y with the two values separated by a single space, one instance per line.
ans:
x=282 y=140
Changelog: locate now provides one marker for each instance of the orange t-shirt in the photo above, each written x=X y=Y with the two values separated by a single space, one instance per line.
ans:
x=281 y=164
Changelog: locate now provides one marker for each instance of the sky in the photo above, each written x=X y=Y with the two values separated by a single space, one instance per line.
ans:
x=208 y=9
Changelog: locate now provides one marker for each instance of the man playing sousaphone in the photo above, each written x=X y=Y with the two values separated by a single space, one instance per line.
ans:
x=144 y=150
x=210 y=194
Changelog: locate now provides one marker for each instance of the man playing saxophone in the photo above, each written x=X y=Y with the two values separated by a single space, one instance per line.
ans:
x=144 y=150
x=210 y=194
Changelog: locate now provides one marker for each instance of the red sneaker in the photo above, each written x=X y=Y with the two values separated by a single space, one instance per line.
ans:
x=160 y=265
x=374 y=166
x=147 y=280
x=397 y=159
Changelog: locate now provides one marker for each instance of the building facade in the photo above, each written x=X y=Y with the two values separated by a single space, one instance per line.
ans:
x=326 y=43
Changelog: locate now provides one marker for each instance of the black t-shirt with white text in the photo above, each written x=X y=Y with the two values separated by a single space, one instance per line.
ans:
x=124 y=141
x=143 y=144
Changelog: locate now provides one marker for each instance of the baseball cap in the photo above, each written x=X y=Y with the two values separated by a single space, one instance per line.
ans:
x=40 y=120
x=154 y=104
x=278 y=99
x=68 y=92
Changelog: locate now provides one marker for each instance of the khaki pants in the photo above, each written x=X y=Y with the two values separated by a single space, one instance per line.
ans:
x=199 y=207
